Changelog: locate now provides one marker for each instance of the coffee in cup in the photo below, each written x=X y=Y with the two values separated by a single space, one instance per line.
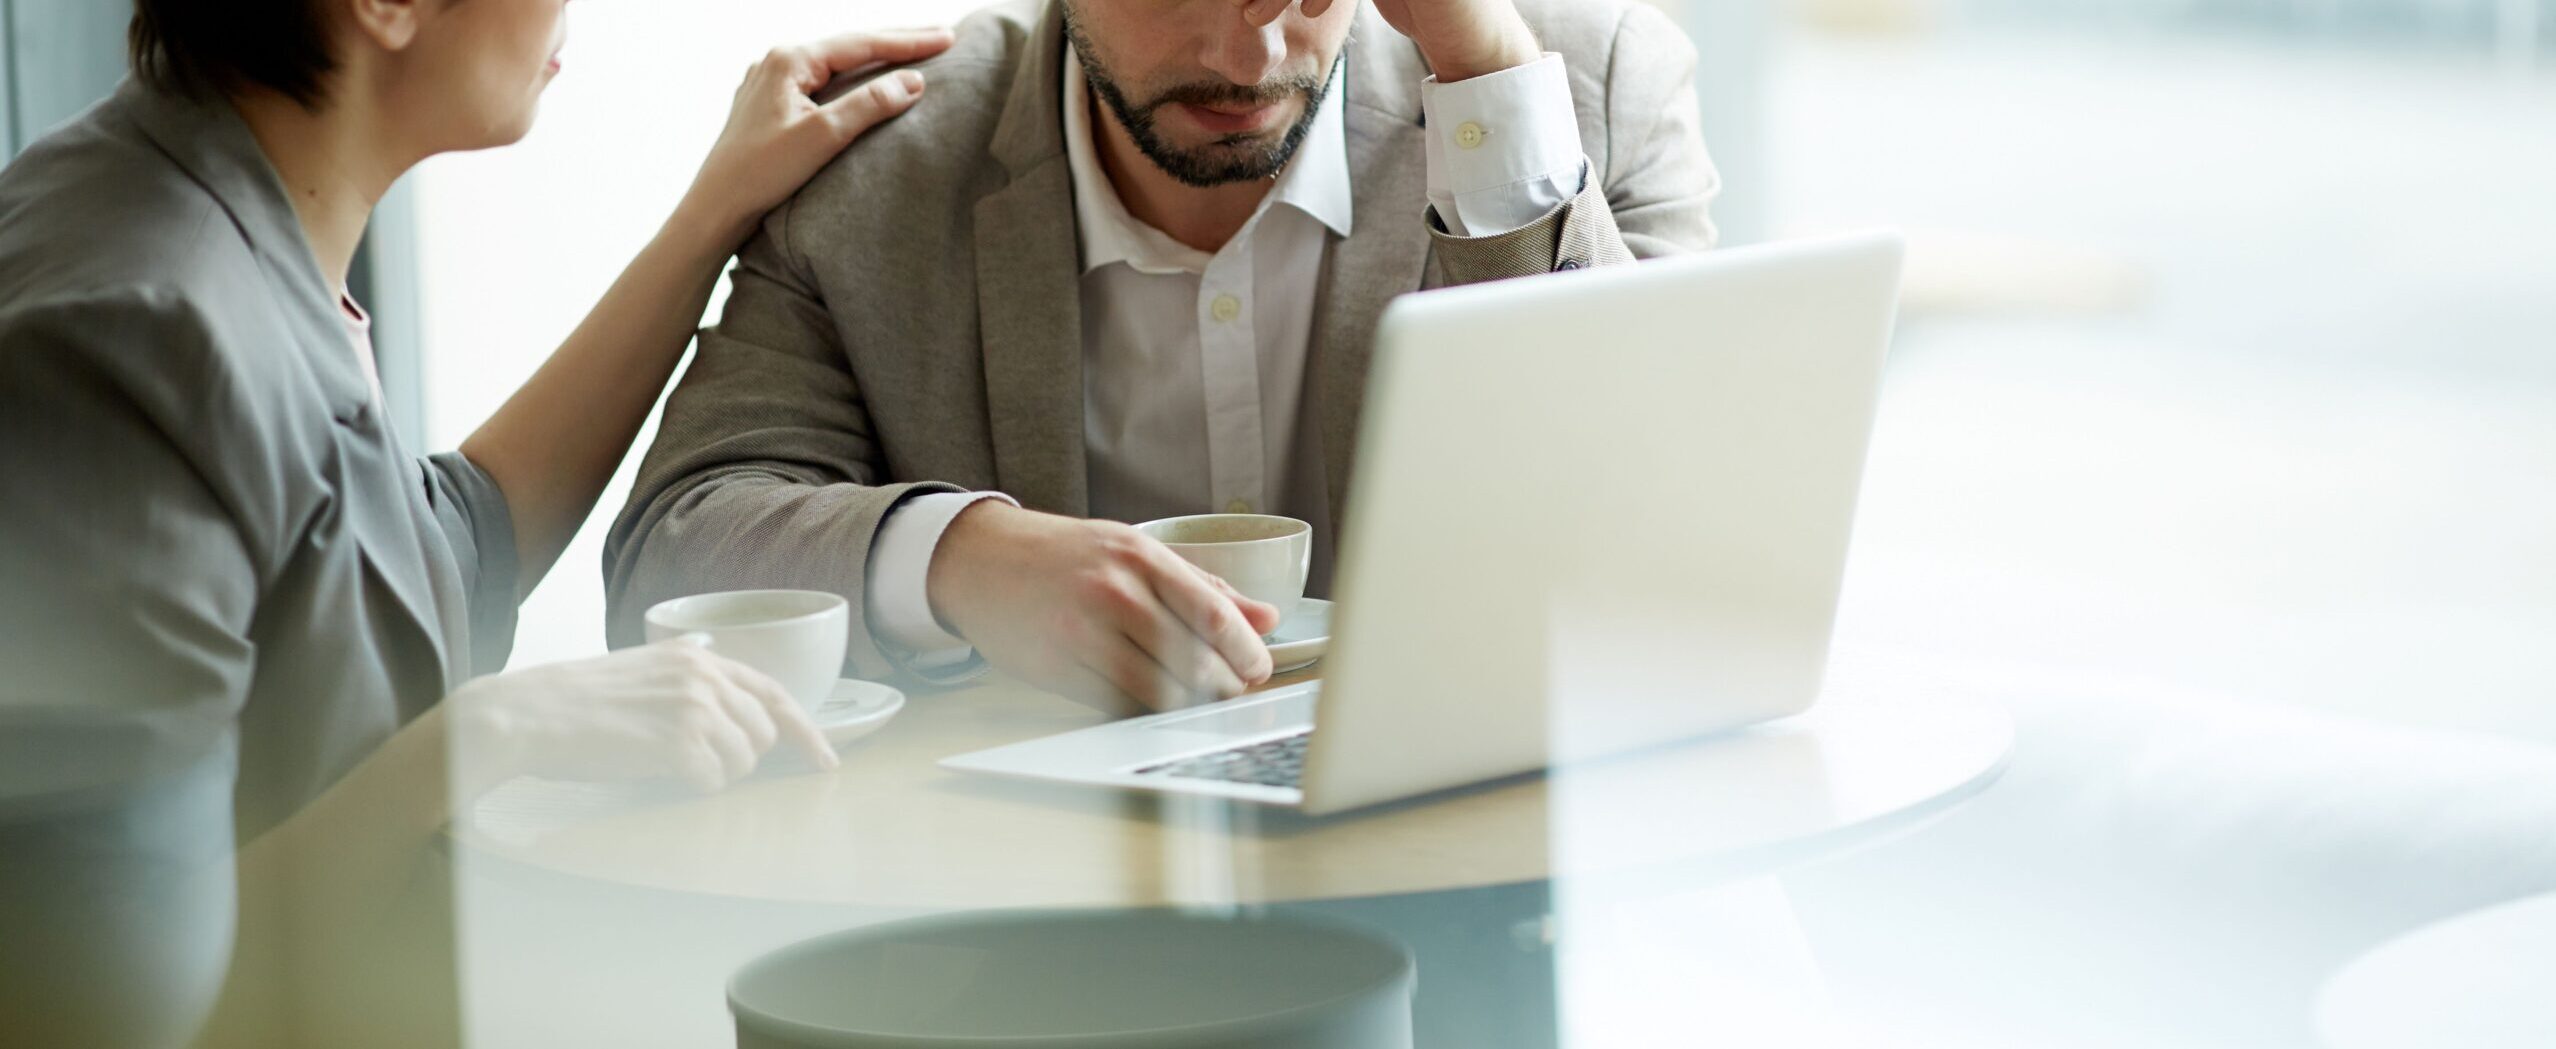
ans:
x=1265 y=558
x=795 y=636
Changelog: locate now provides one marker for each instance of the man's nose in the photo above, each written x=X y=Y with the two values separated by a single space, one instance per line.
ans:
x=1244 y=53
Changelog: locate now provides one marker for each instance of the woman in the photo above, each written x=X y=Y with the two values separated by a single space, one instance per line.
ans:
x=231 y=607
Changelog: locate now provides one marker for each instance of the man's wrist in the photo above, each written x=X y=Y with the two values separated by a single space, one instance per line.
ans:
x=1513 y=46
x=899 y=582
x=944 y=578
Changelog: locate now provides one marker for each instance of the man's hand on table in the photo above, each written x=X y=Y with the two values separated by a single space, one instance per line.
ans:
x=1462 y=39
x=1095 y=610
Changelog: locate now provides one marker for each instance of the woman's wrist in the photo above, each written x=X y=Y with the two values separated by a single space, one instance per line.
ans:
x=701 y=228
x=480 y=749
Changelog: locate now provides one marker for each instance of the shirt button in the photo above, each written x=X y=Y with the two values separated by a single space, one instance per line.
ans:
x=1469 y=135
x=1238 y=506
x=1225 y=309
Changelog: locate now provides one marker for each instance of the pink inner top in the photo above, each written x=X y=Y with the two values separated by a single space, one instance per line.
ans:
x=359 y=330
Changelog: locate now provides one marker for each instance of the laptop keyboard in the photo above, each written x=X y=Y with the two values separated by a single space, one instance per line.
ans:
x=1276 y=763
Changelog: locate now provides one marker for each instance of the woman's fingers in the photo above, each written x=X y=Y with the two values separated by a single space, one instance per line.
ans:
x=871 y=104
x=737 y=755
x=747 y=712
x=698 y=763
x=836 y=55
x=790 y=721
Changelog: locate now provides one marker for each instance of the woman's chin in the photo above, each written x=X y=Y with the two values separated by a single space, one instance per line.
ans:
x=514 y=129
x=495 y=134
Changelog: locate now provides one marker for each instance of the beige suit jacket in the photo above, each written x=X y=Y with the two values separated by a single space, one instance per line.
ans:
x=910 y=322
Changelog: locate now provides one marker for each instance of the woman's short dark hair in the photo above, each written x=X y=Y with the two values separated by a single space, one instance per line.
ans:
x=193 y=46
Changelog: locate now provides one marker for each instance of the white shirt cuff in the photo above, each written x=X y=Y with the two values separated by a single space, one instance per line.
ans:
x=1504 y=149
x=900 y=597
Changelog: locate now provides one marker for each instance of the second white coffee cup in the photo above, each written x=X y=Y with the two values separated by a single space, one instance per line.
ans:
x=796 y=636
x=1264 y=557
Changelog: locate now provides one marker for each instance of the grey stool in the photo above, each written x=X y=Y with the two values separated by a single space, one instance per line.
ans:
x=1039 y=980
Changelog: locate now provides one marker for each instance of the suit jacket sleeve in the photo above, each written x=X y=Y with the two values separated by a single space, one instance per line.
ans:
x=1650 y=191
x=766 y=472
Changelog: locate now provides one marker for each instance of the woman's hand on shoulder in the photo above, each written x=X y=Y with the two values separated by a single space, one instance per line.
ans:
x=778 y=135
x=668 y=710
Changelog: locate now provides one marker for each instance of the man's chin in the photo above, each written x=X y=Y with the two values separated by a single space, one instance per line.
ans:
x=1232 y=150
x=1186 y=145
x=1221 y=124
x=1219 y=165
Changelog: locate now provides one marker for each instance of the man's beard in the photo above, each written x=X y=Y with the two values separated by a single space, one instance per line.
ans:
x=1234 y=158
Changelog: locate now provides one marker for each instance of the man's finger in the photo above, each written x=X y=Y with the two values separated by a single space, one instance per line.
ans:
x=1315 y=8
x=1086 y=686
x=1200 y=671
x=1212 y=613
x=1263 y=12
x=1263 y=615
x=1136 y=674
x=836 y=55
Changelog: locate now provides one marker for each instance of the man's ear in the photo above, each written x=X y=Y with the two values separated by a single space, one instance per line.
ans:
x=390 y=24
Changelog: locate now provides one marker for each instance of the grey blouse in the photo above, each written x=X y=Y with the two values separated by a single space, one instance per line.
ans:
x=222 y=581
x=213 y=551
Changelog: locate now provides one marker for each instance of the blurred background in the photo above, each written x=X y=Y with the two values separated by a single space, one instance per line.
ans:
x=2230 y=339
x=2229 y=355
x=2221 y=423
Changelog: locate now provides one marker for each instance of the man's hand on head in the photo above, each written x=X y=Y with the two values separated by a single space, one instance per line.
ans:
x=1095 y=610
x=1462 y=39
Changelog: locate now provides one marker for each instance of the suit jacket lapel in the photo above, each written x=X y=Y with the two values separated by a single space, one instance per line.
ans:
x=1388 y=252
x=1029 y=295
x=206 y=137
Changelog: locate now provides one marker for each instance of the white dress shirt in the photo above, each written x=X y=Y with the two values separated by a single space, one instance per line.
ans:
x=1194 y=362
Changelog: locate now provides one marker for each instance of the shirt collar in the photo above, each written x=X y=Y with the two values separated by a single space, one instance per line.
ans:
x=1316 y=183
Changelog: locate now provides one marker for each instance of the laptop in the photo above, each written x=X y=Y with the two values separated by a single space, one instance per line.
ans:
x=1593 y=512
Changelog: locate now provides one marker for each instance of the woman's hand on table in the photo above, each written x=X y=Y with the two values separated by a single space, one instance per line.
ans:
x=671 y=709
x=778 y=135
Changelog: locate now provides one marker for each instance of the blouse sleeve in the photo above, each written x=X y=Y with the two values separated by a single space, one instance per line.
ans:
x=474 y=517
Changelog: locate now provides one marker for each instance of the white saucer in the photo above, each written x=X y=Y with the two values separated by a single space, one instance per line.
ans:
x=856 y=709
x=1303 y=637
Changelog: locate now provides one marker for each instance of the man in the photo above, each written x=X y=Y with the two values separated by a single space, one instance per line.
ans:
x=1126 y=263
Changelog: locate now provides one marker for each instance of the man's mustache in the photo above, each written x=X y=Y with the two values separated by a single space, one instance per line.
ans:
x=1228 y=95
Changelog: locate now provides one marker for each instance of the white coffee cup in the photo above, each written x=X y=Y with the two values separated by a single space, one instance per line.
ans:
x=1264 y=557
x=796 y=636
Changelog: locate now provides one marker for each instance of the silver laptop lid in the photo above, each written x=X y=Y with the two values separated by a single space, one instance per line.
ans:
x=1597 y=511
